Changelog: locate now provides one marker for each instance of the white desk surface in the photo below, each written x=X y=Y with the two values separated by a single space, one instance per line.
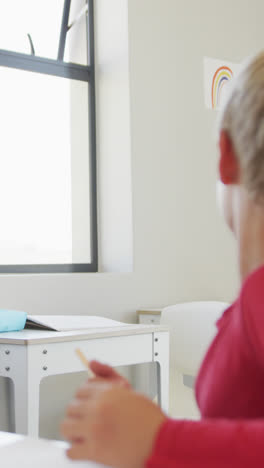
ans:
x=27 y=452
x=7 y=438
x=26 y=337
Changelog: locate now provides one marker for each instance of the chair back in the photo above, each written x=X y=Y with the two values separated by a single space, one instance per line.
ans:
x=192 y=328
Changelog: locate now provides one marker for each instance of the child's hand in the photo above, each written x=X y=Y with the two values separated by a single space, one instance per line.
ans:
x=107 y=372
x=111 y=424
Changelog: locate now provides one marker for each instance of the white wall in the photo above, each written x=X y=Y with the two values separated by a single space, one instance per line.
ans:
x=181 y=249
x=113 y=138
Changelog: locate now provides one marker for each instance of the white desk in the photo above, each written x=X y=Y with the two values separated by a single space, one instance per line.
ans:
x=7 y=438
x=29 y=356
x=24 y=452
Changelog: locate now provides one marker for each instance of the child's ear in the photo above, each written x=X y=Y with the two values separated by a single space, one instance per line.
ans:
x=229 y=169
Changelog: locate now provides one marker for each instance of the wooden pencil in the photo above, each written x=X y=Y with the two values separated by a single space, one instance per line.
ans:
x=84 y=361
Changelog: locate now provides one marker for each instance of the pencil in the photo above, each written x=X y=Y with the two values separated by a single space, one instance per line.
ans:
x=84 y=361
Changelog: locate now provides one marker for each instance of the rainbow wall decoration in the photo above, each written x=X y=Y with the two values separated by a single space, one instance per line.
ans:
x=221 y=77
x=217 y=76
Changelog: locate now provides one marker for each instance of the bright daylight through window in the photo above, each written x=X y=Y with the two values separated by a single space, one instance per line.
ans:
x=47 y=119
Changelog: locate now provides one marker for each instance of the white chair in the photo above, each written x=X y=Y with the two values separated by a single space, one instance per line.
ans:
x=192 y=328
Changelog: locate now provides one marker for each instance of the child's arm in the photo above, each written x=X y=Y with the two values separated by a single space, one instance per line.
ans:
x=113 y=425
x=211 y=443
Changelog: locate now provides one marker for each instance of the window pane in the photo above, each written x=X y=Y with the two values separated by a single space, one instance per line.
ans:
x=42 y=20
x=44 y=169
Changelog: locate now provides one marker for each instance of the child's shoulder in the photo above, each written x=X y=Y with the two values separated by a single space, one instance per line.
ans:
x=251 y=307
x=253 y=287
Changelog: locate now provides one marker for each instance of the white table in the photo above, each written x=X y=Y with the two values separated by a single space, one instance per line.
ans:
x=25 y=452
x=29 y=356
x=6 y=438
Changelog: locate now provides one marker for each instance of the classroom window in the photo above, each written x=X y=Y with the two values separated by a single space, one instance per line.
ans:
x=47 y=121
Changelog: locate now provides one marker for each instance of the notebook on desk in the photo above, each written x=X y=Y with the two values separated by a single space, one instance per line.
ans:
x=70 y=322
x=32 y=453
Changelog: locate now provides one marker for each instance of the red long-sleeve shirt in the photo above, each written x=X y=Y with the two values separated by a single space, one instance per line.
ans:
x=229 y=392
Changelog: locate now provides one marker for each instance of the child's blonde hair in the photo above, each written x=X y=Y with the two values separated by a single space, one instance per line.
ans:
x=243 y=119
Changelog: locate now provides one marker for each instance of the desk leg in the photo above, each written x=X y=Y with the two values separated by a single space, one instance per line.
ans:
x=26 y=405
x=161 y=357
x=26 y=380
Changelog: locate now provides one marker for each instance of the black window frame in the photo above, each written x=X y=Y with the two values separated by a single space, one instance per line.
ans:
x=76 y=72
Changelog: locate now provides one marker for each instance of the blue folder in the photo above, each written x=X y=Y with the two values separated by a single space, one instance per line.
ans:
x=12 y=320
